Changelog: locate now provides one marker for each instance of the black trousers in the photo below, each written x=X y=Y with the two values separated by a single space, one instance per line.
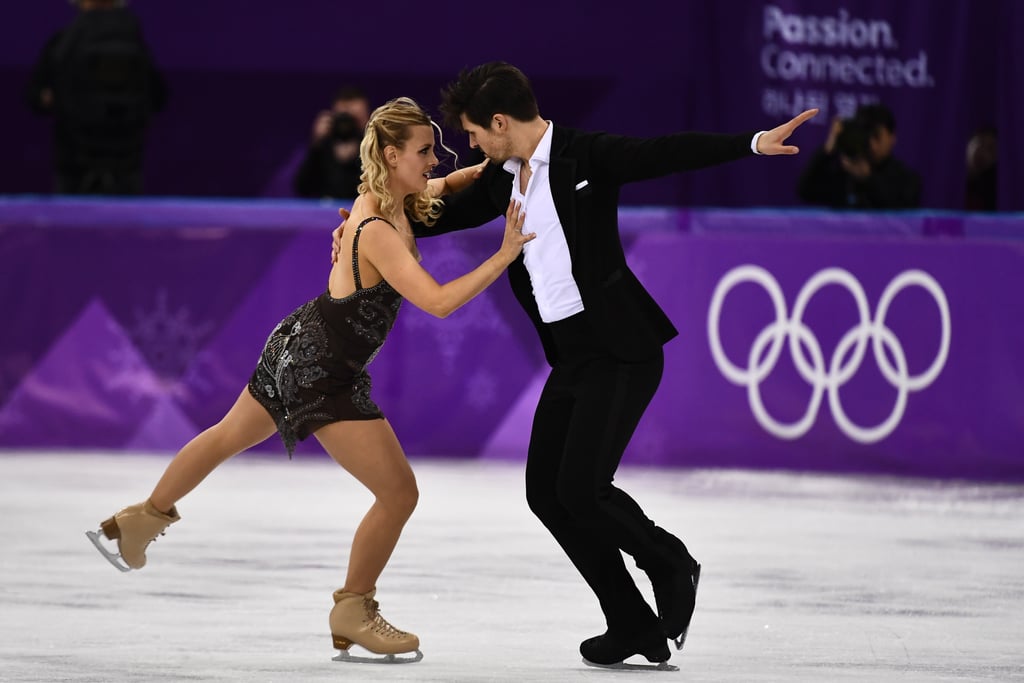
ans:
x=587 y=413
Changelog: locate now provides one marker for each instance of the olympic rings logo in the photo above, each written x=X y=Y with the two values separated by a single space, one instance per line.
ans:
x=812 y=369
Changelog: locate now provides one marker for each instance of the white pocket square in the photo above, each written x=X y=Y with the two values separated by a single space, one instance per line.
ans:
x=581 y=184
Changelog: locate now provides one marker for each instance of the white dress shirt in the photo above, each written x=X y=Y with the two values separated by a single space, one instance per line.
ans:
x=546 y=257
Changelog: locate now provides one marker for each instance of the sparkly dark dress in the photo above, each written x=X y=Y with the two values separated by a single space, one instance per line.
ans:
x=312 y=370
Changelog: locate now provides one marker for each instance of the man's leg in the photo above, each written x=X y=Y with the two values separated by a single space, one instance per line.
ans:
x=614 y=395
x=585 y=418
x=597 y=558
x=588 y=413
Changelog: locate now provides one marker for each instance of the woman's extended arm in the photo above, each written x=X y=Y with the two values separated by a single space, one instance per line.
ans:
x=386 y=251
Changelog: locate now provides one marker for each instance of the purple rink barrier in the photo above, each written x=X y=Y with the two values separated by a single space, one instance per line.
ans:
x=881 y=343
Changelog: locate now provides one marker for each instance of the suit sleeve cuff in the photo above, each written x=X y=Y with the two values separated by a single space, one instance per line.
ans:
x=753 y=141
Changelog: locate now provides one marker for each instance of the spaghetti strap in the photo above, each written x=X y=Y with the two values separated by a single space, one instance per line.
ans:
x=355 y=249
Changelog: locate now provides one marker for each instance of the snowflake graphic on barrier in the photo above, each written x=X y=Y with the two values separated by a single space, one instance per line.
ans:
x=168 y=342
x=482 y=388
x=446 y=263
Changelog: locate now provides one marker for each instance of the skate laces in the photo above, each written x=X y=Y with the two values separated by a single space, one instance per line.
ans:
x=156 y=536
x=152 y=540
x=379 y=624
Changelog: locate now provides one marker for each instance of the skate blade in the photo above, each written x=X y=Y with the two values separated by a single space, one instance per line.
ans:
x=345 y=656
x=626 y=666
x=112 y=558
x=682 y=636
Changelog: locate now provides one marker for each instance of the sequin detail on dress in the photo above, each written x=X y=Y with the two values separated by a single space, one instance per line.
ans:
x=312 y=370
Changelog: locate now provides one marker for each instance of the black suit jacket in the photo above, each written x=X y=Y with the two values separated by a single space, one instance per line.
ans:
x=587 y=169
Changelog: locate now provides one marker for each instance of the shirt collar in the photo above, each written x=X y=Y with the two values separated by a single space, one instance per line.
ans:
x=541 y=155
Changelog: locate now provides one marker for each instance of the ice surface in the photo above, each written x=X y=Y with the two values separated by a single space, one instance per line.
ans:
x=804 y=578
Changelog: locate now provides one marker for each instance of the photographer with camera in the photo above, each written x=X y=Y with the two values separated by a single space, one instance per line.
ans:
x=855 y=168
x=331 y=167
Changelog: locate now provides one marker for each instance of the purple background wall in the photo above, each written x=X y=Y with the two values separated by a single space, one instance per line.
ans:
x=134 y=324
x=246 y=79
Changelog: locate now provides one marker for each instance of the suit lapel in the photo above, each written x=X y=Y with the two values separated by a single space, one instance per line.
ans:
x=561 y=174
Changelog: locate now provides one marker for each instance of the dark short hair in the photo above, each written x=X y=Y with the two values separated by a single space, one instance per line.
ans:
x=486 y=90
x=875 y=116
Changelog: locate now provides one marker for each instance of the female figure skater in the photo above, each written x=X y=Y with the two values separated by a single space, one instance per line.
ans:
x=311 y=376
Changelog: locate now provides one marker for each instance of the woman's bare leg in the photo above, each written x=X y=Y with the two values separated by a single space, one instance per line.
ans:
x=370 y=452
x=245 y=425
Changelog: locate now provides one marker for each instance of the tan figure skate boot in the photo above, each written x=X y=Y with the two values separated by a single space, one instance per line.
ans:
x=356 y=618
x=134 y=528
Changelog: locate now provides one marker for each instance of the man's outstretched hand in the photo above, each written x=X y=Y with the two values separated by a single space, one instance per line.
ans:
x=336 y=235
x=771 y=142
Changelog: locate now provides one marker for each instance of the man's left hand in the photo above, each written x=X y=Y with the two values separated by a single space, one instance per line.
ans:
x=770 y=143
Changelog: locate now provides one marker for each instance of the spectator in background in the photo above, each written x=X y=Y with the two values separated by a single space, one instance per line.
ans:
x=98 y=79
x=856 y=169
x=981 y=171
x=331 y=166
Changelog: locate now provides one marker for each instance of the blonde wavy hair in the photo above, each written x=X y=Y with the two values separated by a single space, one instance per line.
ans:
x=390 y=124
